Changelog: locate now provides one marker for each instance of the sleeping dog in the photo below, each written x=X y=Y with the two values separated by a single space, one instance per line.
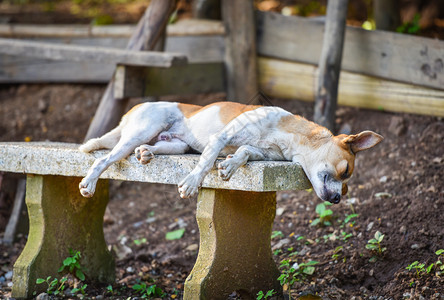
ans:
x=238 y=132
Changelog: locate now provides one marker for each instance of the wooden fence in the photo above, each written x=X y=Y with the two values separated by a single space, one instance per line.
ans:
x=381 y=70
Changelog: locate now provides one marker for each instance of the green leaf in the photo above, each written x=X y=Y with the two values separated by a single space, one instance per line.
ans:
x=260 y=295
x=349 y=217
x=68 y=261
x=326 y=213
x=175 y=235
x=275 y=234
x=40 y=280
x=309 y=270
x=439 y=252
x=315 y=222
x=379 y=236
x=373 y=241
x=429 y=268
x=270 y=293
x=80 y=275
x=371 y=247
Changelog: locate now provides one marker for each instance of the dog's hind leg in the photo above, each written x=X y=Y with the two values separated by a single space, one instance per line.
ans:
x=107 y=141
x=145 y=153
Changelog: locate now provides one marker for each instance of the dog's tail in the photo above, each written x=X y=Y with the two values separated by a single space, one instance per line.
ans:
x=107 y=141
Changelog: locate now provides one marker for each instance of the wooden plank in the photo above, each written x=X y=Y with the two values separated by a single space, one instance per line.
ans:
x=393 y=56
x=179 y=80
x=94 y=54
x=180 y=28
x=276 y=79
x=330 y=64
x=15 y=69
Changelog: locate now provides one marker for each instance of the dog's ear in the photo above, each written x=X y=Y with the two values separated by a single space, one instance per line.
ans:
x=362 y=141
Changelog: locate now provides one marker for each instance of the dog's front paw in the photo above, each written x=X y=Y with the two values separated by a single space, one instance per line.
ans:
x=189 y=186
x=144 y=154
x=226 y=168
x=87 y=188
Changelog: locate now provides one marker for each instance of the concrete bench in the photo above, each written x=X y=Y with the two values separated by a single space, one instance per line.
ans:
x=234 y=218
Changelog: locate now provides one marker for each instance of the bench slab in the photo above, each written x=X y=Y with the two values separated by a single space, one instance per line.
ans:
x=48 y=158
x=235 y=217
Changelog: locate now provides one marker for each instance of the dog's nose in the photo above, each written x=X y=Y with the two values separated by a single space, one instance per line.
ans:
x=335 y=198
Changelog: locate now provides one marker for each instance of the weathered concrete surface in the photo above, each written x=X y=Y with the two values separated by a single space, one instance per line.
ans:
x=60 y=218
x=234 y=253
x=64 y=159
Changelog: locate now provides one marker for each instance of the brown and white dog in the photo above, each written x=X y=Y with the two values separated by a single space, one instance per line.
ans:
x=239 y=132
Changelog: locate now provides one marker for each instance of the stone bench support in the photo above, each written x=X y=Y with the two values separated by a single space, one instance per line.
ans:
x=234 y=253
x=61 y=219
x=235 y=217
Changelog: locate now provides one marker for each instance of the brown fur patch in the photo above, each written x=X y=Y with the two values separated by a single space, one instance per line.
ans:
x=189 y=110
x=308 y=132
x=228 y=110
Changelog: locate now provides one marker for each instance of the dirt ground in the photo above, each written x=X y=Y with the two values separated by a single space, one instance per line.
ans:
x=397 y=189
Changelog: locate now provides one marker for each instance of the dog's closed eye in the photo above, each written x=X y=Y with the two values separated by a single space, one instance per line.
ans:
x=345 y=174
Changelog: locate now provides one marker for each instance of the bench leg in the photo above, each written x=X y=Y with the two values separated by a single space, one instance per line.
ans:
x=59 y=219
x=235 y=245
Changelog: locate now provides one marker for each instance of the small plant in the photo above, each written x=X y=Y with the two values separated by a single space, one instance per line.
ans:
x=348 y=221
x=80 y=289
x=109 y=289
x=145 y=291
x=141 y=241
x=324 y=215
x=375 y=245
x=345 y=236
x=410 y=27
x=55 y=286
x=440 y=262
x=419 y=268
x=267 y=295
x=296 y=272
x=72 y=263
x=276 y=234
x=337 y=252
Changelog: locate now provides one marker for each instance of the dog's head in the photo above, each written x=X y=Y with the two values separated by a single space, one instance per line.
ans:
x=332 y=164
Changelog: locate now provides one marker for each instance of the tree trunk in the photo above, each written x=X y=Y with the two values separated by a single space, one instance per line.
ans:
x=148 y=32
x=330 y=64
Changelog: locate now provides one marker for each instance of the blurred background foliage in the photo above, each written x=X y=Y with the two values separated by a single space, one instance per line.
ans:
x=425 y=17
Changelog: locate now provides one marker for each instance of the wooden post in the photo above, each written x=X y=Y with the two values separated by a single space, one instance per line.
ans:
x=206 y=9
x=149 y=30
x=330 y=64
x=386 y=13
x=240 y=50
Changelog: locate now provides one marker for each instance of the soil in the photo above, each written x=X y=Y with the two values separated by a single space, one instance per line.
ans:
x=397 y=189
